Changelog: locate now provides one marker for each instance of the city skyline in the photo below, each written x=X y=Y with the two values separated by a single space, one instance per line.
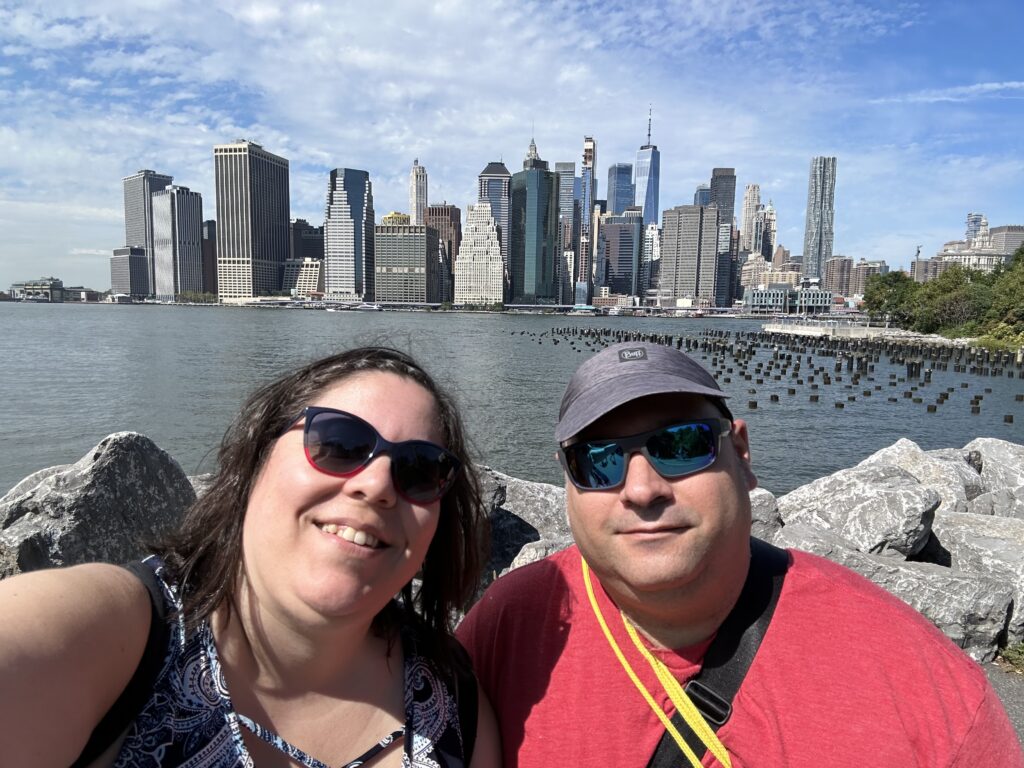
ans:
x=88 y=97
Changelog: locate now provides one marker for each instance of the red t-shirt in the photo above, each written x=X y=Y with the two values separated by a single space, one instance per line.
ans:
x=847 y=675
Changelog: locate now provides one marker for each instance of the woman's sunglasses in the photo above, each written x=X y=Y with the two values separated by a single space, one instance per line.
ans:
x=340 y=444
x=674 y=451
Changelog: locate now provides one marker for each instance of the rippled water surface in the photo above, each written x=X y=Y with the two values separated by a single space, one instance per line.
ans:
x=71 y=374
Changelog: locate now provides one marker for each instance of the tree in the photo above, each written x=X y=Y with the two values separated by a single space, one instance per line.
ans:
x=891 y=296
x=957 y=300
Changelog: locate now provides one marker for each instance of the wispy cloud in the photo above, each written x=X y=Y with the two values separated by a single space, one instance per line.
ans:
x=1010 y=89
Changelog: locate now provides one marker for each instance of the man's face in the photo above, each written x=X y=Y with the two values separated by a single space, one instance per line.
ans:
x=655 y=537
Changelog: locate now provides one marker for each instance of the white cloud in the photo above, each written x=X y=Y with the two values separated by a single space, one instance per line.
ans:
x=1013 y=89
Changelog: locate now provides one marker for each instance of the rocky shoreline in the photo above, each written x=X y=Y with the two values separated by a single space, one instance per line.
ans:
x=942 y=530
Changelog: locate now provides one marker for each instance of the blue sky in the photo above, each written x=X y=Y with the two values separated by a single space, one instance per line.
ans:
x=922 y=103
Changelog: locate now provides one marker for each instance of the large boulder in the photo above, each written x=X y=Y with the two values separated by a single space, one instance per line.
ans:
x=1002 y=462
x=1002 y=502
x=122 y=492
x=944 y=476
x=970 y=609
x=990 y=547
x=522 y=514
x=764 y=511
x=879 y=508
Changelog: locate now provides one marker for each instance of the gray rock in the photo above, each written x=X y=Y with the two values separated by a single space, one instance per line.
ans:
x=991 y=547
x=1003 y=502
x=880 y=509
x=967 y=464
x=1002 y=462
x=25 y=487
x=930 y=471
x=123 y=491
x=970 y=610
x=521 y=514
x=201 y=483
x=764 y=510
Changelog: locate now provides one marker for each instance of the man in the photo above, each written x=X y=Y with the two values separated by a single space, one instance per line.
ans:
x=658 y=480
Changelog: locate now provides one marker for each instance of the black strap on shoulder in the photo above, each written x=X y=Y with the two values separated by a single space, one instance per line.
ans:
x=466 y=700
x=137 y=692
x=731 y=652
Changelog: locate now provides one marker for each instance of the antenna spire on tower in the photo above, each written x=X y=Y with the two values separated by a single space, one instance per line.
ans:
x=650 y=108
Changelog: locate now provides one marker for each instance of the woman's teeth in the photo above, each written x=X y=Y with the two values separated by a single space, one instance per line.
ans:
x=362 y=538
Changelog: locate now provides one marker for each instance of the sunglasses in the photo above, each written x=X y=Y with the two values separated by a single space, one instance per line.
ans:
x=340 y=444
x=674 y=451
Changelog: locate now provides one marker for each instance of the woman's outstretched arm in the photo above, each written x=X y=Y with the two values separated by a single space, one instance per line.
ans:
x=70 y=640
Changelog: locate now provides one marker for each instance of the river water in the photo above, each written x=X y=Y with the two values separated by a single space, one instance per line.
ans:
x=72 y=374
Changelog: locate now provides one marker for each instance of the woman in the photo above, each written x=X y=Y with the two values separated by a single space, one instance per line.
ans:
x=283 y=644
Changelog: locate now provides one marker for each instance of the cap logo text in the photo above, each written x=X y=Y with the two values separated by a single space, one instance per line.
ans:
x=628 y=355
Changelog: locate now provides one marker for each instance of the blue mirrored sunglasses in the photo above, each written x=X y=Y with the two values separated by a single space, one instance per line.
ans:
x=341 y=444
x=674 y=451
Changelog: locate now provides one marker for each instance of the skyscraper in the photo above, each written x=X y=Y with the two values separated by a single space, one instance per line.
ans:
x=417 y=192
x=406 y=263
x=818 y=232
x=447 y=220
x=751 y=204
x=620 y=187
x=253 y=213
x=723 y=193
x=495 y=186
x=348 y=236
x=768 y=231
x=588 y=193
x=210 y=256
x=702 y=195
x=305 y=241
x=621 y=243
x=479 y=270
x=689 y=254
x=973 y=226
x=533 y=220
x=177 y=242
x=648 y=179
x=138 y=214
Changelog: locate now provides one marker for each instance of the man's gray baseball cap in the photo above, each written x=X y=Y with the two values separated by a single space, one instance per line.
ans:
x=625 y=372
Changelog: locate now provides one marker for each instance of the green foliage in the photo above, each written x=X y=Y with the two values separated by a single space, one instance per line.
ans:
x=959 y=302
x=192 y=297
x=891 y=297
x=1014 y=656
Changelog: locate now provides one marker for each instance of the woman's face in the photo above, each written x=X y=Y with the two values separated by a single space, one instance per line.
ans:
x=301 y=564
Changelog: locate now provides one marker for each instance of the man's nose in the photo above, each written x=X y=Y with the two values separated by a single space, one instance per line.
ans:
x=643 y=486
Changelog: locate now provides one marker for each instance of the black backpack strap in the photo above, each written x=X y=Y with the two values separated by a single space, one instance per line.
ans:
x=467 y=700
x=731 y=652
x=139 y=688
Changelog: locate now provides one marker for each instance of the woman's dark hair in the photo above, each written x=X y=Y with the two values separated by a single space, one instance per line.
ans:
x=205 y=554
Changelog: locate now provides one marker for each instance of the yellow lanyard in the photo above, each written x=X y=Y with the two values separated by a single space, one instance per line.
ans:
x=684 y=706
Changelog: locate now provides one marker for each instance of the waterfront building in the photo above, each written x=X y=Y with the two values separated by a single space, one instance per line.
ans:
x=647 y=179
x=862 y=271
x=418 y=193
x=534 y=231
x=129 y=272
x=620 y=187
x=723 y=193
x=210 y=256
x=349 y=271
x=837 y=275
x=304 y=278
x=588 y=194
x=751 y=207
x=447 y=220
x=495 y=187
x=569 y=213
x=253 y=212
x=702 y=195
x=305 y=241
x=564 y=274
x=689 y=255
x=479 y=270
x=138 y=213
x=818 y=230
x=620 y=245
x=45 y=289
x=177 y=242
x=405 y=262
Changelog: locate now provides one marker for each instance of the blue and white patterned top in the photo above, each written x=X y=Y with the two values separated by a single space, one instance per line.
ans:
x=189 y=721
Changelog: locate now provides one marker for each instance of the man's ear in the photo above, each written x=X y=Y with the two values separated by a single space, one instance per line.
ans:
x=740 y=440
